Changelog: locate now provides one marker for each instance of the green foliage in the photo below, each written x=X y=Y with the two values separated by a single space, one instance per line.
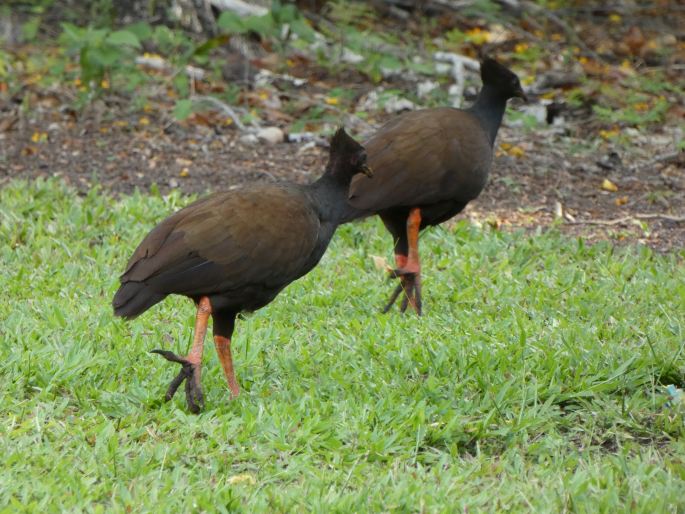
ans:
x=277 y=24
x=183 y=109
x=5 y=64
x=99 y=50
x=533 y=383
x=633 y=113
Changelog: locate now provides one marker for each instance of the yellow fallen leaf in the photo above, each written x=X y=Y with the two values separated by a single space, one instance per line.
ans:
x=641 y=106
x=380 y=263
x=478 y=35
x=39 y=137
x=104 y=84
x=494 y=222
x=608 y=134
x=331 y=100
x=243 y=478
x=147 y=108
x=120 y=123
x=621 y=200
x=615 y=18
x=516 y=151
x=513 y=150
x=144 y=120
x=184 y=173
x=520 y=48
x=608 y=185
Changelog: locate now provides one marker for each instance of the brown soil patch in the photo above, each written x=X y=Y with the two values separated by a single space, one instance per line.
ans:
x=528 y=191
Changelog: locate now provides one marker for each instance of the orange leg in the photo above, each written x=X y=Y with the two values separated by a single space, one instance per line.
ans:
x=409 y=267
x=223 y=349
x=192 y=363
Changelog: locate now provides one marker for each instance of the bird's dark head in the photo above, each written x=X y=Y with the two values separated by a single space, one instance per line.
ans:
x=346 y=157
x=501 y=78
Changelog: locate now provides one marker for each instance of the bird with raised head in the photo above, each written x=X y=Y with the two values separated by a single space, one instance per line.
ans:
x=235 y=251
x=428 y=164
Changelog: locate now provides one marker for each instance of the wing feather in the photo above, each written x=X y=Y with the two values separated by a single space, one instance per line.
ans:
x=260 y=235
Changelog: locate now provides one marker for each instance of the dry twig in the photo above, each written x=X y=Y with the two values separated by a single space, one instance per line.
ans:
x=626 y=219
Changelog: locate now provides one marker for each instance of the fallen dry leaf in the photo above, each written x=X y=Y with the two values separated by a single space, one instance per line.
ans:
x=39 y=137
x=608 y=134
x=621 y=200
x=243 y=478
x=380 y=263
x=608 y=185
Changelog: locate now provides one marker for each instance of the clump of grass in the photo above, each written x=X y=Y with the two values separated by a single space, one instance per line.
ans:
x=533 y=382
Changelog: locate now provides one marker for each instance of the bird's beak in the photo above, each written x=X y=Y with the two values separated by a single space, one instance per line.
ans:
x=366 y=170
x=520 y=94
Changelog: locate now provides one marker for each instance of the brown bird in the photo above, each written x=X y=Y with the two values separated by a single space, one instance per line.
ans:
x=428 y=165
x=235 y=251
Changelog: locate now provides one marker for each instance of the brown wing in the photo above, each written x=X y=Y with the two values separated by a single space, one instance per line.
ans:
x=423 y=157
x=260 y=235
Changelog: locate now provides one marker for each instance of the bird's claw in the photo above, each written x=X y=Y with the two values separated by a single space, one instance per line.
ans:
x=410 y=284
x=190 y=373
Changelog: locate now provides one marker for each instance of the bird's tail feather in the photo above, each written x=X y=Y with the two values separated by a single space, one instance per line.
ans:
x=134 y=298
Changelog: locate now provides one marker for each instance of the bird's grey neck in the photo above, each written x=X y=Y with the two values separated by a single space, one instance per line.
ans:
x=489 y=108
x=329 y=196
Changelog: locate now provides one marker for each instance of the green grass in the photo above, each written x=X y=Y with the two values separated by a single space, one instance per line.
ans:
x=534 y=382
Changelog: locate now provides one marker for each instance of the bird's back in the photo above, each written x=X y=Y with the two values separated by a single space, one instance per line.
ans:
x=422 y=158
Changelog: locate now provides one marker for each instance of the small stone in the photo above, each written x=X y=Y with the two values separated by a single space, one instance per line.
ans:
x=271 y=135
x=173 y=183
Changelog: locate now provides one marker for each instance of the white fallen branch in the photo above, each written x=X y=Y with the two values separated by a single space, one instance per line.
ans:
x=664 y=158
x=240 y=8
x=452 y=58
x=225 y=109
x=306 y=137
x=265 y=77
x=158 y=63
x=631 y=219
x=458 y=64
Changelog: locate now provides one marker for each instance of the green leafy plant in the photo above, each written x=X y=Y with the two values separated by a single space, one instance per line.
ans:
x=99 y=50
x=278 y=24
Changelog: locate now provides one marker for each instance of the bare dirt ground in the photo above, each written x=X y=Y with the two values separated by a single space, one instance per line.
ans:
x=549 y=184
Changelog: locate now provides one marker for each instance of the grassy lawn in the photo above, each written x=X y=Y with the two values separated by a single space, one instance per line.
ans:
x=535 y=380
